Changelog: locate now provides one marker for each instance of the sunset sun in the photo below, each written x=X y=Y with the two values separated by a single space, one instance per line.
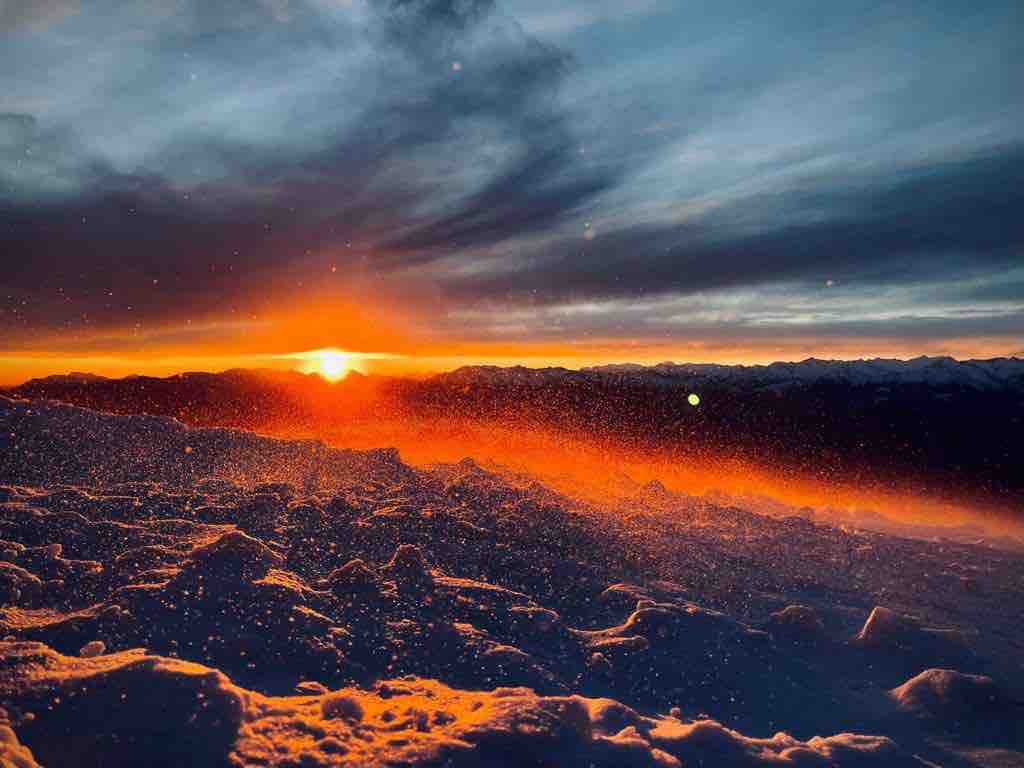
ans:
x=332 y=364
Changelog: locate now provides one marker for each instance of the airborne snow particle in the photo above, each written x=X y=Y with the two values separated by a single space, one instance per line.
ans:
x=693 y=399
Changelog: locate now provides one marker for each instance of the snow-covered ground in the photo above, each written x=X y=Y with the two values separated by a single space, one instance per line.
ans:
x=171 y=596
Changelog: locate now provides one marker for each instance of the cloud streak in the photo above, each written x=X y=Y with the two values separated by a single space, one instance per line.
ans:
x=905 y=225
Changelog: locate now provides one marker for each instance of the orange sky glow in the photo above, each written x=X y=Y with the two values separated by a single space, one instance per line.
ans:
x=291 y=346
x=401 y=331
x=351 y=338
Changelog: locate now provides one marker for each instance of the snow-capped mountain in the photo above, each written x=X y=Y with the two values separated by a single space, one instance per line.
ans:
x=940 y=372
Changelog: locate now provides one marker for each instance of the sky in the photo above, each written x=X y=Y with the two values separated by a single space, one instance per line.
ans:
x=198 y=183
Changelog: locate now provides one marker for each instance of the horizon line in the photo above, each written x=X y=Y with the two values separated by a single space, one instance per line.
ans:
x=480 y=363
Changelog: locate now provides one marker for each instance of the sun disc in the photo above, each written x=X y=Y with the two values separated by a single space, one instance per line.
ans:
x=333 y=365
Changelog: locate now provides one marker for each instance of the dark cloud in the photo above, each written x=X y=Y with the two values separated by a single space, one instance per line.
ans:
x=432 y=29
x=908 y=225
x=511 y=82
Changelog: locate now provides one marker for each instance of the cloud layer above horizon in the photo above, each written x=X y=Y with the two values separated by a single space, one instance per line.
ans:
x=514 y=171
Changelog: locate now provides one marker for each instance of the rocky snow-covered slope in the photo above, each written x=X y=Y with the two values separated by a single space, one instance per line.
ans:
x=172 y=597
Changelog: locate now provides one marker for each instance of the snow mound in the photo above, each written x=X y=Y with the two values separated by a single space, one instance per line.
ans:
x=115 y=709
x=707 y=742
x=939 y=692
x=797 y=621
x=92 y=649
x=353 y=576
x=408 y=568
x=235 y=555
x=18 y=585
x=886 y=628
x=13 y=754
x=628 y=595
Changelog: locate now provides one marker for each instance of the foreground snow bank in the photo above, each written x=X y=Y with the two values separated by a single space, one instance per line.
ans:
x=115 y=707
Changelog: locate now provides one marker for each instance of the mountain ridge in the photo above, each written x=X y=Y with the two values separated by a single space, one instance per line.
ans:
x=934 y=370
x=991 y=373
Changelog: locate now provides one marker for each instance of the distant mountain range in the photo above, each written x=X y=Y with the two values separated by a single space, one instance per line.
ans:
x=938 y=372
x=935 y=424
x=1001 y=373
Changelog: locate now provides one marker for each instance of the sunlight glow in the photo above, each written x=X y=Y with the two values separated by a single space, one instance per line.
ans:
x=332 y=364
